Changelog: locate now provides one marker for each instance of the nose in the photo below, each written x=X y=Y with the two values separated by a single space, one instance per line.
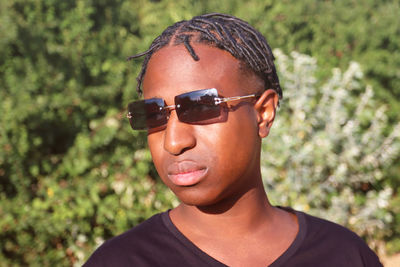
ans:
x=179 y=136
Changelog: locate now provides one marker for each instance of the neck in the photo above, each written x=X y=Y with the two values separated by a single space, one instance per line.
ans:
x=247 y=211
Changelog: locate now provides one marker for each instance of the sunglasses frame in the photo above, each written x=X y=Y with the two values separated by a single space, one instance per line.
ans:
x=169 y=108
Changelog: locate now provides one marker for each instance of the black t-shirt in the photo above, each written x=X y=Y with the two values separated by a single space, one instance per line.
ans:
x=157 y=242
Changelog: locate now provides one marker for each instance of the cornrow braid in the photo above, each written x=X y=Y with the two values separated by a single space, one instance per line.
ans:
x=225 y=32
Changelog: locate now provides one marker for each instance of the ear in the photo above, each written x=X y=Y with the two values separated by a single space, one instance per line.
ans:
x=266 y=109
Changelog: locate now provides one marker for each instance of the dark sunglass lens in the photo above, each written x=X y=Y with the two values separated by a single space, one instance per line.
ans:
x=147 y=114
x=197 y=106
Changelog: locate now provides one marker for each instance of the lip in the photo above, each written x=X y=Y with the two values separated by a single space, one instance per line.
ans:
x=186 y=173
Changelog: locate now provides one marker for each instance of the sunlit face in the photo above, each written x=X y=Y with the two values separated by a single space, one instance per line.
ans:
x=204 y=164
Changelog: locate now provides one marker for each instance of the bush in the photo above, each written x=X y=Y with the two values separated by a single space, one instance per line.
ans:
x=72 y=171
x=328 y=151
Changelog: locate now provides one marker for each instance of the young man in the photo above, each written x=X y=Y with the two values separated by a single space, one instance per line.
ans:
x=211 y=94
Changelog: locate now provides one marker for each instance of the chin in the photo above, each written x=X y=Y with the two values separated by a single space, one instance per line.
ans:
x=194 y=197
x=208 y=202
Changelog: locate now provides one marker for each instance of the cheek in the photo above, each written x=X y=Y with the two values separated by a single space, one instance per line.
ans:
x=241 y=130
x=155 y=144
x=236 y=141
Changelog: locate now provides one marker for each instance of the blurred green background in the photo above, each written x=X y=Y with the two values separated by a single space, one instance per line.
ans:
x=73 y=173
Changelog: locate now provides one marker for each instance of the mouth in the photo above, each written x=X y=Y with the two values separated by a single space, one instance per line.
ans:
x=186 y=173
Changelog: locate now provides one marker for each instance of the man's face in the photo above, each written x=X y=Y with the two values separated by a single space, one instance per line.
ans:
x=204 y=164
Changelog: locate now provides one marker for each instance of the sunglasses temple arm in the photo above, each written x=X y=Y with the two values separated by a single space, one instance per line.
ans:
x=219 y=100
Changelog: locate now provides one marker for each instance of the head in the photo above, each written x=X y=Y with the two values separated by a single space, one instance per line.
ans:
x=219 y=159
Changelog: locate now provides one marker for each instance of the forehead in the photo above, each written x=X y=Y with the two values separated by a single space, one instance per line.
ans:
x=172 y=71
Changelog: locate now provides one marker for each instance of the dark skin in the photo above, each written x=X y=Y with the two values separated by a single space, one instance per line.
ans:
x=224 y=209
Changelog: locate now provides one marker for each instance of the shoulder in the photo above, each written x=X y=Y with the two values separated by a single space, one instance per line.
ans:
x=323 y=240
x=133 y=243
x=318 y=228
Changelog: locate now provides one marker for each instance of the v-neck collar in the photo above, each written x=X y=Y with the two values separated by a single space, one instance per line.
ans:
x=289 y=252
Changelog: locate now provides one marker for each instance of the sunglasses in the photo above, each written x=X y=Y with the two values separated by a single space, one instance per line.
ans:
x=194 y=107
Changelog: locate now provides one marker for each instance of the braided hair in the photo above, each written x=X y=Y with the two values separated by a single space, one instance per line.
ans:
x=225 y=32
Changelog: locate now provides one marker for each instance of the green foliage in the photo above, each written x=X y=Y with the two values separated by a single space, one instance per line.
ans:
x=72 y=173
x=338 y=32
